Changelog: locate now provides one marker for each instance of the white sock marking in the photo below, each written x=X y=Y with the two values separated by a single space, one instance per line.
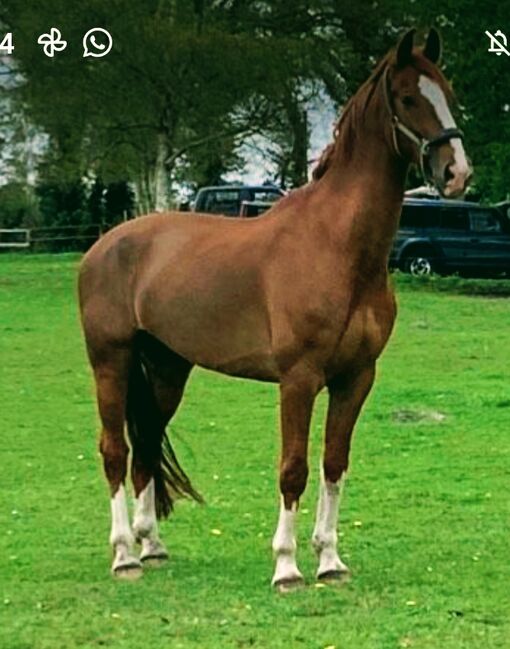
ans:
x=324 y=537
x=284 y=546
x=121 y=530
x=145 y=523
x=432 y=91
x=121 y=536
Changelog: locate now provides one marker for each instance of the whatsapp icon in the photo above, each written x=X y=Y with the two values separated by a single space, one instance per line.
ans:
x=97 y=42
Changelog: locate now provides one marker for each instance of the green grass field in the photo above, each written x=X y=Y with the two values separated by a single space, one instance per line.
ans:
x=425 y=517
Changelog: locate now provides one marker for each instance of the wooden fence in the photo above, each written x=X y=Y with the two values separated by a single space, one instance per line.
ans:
x=63 y=238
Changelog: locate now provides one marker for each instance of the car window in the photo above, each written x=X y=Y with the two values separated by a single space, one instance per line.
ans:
x=419 y=216
x=265 y=196
x=453 y=218
x=484 y=221
x=223 y=202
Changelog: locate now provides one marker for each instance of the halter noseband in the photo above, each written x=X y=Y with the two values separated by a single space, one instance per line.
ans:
x=424 y=144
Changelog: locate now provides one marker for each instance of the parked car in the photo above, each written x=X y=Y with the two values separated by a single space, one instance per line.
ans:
x=451 y=236
x=504 y=208
x=227 y=199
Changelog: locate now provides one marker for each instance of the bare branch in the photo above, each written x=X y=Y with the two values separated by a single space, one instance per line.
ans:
x=243 y=132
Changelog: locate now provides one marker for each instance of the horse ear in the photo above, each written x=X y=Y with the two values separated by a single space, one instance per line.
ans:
x=433 y=47
x=405 y=49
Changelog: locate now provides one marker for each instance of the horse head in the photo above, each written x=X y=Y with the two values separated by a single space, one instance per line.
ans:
x=418 y=98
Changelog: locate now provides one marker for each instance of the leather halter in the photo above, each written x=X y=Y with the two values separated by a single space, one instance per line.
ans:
x=424 y=144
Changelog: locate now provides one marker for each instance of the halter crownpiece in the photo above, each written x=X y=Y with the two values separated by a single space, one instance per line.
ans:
x=424 y=144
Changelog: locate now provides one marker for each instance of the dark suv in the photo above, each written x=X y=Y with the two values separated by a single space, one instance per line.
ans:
x=227 y=199
x=451 y=236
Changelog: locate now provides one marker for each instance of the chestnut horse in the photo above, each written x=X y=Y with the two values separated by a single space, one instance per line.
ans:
x=298 y=296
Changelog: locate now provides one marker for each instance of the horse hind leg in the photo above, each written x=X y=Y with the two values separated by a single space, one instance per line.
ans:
x=157 y=381
x=111 y=369
x=146 y=472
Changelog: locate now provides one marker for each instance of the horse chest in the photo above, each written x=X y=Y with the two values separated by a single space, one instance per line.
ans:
x=365 y=335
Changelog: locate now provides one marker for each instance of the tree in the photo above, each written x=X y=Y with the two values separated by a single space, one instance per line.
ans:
x=188 y=81
x=163 y=91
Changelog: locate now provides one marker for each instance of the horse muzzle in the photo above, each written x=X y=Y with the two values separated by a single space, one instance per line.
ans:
x=451 y=170
x=457 y=181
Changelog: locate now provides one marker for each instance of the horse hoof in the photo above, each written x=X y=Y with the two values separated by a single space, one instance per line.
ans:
x=289 y=584
x=154 y=560
x=129 y=571
x=334 y=577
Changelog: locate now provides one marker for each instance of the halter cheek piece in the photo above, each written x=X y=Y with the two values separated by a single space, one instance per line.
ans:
x=424 y=145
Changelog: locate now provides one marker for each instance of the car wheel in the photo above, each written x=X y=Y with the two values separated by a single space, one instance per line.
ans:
x=419 y=264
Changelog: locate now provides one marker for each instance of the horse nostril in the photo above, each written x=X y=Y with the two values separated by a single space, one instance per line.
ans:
x=448 y=174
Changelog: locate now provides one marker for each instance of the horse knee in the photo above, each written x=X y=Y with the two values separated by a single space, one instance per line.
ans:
x=293 y=476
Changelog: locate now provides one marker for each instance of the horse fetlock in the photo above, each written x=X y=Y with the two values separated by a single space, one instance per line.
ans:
x=322 y=540
x=283 y=546
x=122 y=538
x=143 y=527
x=317 y=543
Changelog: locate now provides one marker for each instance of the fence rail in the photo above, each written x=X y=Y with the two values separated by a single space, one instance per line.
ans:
x=51 y=239
x=14 y=238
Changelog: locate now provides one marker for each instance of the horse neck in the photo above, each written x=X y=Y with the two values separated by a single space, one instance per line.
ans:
x=363 y=187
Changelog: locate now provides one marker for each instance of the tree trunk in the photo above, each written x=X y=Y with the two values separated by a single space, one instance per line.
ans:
x=161 y=185
x=297 y=172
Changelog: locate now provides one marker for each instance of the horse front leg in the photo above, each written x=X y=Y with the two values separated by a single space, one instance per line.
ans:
x=297 y=395
x=346 y=397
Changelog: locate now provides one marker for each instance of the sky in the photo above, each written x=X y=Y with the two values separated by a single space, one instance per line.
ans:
x=322 y=116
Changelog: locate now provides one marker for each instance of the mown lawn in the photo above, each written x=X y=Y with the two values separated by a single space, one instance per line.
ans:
x=425 y=518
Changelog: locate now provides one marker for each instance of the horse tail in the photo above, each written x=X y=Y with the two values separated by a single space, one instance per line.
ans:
x=146 y=427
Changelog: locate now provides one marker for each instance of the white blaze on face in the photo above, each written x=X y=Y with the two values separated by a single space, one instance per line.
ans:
x=460 y=169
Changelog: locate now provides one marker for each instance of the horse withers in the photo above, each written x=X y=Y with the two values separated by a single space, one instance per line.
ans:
x=298 y=296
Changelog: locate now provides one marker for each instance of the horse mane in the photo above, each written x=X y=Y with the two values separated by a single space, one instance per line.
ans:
x=348 y=125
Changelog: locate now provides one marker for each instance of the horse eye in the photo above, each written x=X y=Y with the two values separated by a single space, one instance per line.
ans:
x=408 y=101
